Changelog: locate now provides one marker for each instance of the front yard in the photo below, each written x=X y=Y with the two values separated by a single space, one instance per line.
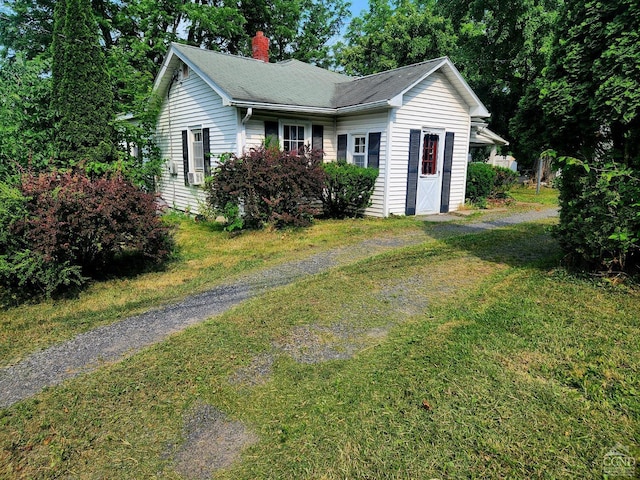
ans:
x=464 y=356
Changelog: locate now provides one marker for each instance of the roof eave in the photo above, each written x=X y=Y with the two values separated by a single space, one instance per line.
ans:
x=173 y=52
x=476 y=107
x=318 y=110
x=282 y=107
x=366 y=106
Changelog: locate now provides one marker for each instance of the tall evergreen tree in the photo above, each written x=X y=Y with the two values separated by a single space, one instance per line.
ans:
x=83 y=97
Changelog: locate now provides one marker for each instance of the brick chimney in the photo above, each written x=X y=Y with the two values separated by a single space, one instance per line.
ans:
x=260 y=47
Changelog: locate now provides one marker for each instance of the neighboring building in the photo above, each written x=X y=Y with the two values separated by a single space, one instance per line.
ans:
x=413 y=123
x=482 y=137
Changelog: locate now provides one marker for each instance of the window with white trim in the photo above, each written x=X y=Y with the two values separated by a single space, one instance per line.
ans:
x=293 y=138
x=197 y=149
x=359 y=152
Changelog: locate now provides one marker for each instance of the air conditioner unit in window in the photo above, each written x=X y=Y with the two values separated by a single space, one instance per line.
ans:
x=196 y=178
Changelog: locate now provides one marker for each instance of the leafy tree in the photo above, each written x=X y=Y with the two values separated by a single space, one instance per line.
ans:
x=26 y=130
x=590 y=95
x=136 y=33
x=591 y=90
x=82 y=96
x=26 y=26
x=503 y=46
x=390 y=36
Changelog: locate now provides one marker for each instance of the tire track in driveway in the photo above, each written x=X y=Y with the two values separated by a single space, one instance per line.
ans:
x=88 y=351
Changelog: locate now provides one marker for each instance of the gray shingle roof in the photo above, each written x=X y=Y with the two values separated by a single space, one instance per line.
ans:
x=286 y=83
x=381 y=86
x=296 y=84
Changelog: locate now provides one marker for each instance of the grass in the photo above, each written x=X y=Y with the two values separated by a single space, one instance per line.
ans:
x=207 y=257
x=527 y=194
x=527 y=372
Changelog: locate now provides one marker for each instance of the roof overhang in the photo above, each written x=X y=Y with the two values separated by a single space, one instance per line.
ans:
x=380 y=105
x=172 y=63
x=174 y=58
x=483 y=136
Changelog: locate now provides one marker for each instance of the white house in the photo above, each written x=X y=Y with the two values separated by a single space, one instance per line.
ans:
x=412 y=123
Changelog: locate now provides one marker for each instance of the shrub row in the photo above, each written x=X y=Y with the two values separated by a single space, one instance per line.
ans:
x=269 y=186
x=488 y=181
x=61 y=229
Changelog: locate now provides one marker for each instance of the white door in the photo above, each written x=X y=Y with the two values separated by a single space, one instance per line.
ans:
x=430 y=172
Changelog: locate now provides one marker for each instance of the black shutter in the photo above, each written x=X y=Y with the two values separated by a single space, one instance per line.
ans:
x=271 y=130
x=373 y=150
x=446 y=172
x=206 y=150
x=412 y=171
x=317 y=137
x=185 y=156
x=342 y=147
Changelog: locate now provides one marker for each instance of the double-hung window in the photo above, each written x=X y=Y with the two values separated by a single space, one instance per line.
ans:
x=198 y=150
x=360 y=150
x=293 y=138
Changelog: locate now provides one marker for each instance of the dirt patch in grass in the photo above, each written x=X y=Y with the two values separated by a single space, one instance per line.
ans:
x=256 y=373
x=315 y=343
x=211 y=442
x=523 y=363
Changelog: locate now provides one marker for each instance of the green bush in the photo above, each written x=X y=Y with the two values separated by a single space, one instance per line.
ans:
x=480 y=181
x=61 y=229
x=504 y=181
x=599 y=227
x=266 y=186
x=347 y=189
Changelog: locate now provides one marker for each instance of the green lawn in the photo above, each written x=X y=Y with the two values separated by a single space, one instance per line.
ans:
x=527 y=194
x=468 y=357
x=207 y=257
x=473 y=356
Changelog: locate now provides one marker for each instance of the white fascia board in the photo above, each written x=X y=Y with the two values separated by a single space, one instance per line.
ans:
x=476 y=107
x=365 y=106
x=396 y=101
x=282 y=108
x=477 y=110
x=497 y=139
x=163 y=69
x=435 y=68
x=226 y=99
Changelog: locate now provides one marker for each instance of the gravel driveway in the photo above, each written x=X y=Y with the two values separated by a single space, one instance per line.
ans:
x=110 y=343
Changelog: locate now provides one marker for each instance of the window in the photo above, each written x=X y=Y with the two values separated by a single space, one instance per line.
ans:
x=360 y=150
x=429 y=154
x=293 y=138
x=185 y=71
x=198 y=150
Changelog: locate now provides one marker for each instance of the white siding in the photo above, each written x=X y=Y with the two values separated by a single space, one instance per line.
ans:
x=376 y=122
x=192 y=102
x=432 y=103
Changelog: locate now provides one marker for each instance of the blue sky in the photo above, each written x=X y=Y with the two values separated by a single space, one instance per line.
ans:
x=357 y=6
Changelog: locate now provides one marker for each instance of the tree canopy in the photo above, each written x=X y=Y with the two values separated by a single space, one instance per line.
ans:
x=389 y=36
x=135 y=34
x=500 y=46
